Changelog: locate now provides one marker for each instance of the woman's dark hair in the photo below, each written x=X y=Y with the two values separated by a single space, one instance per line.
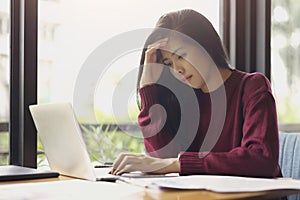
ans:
x=195 y=26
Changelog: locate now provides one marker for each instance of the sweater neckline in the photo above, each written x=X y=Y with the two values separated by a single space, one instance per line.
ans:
x=229 y=84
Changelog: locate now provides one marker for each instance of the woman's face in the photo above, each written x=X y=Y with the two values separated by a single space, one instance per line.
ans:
x=187 y=62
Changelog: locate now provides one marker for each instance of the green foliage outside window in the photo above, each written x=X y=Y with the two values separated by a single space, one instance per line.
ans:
x=286 y=59
x=4 y=142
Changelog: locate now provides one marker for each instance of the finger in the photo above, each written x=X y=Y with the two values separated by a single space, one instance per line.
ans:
x=127 y=169
x=117 y=161
x=151 y=50
x=135 y=165
x=121 y=158
x=128 y=160
x=160 y=42
x=151 y=55
x=156 y=45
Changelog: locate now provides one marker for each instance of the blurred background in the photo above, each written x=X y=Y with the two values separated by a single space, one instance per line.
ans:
x=69 y=30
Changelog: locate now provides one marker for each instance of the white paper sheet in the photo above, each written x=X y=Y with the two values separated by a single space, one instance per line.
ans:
x=66 y=190
x=224 y=183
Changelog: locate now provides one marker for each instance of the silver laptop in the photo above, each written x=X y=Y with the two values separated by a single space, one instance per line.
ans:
x=61 y=137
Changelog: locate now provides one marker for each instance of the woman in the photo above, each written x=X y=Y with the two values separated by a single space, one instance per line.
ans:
x=232 y=128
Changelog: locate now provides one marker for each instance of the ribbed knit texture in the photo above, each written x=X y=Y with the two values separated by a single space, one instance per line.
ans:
x=247 y=144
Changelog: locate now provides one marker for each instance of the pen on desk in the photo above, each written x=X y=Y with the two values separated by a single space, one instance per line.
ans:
x=105 y=165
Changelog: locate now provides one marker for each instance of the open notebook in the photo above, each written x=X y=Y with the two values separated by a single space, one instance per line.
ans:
x=61 y=137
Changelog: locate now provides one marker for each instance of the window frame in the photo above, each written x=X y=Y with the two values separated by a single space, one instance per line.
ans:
x=23 y=82
x=245 y=28
x=247 y=34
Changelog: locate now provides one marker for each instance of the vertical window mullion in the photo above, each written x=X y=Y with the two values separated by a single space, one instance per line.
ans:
x=247 y=28
x=23 y=86
x=14 y=125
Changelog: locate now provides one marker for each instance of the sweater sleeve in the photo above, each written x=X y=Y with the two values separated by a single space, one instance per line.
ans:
x=258 y=154
x=153 y=123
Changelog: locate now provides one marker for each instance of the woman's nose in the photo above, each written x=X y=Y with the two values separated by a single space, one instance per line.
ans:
x=178 y=67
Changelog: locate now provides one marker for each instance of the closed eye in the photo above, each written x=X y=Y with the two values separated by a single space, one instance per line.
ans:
x=182 y=56
x=168 y=64
x=165 y=62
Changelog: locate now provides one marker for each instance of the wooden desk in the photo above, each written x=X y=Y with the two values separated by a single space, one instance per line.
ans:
x=157 y=194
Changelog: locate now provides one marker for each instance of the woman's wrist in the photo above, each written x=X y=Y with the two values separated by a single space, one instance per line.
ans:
x=175 y=165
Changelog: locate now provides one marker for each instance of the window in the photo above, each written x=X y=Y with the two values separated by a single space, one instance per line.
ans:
x=4 y=81
x=4 y=23
x=285 y=50
x=69 y=31
x=47 y=31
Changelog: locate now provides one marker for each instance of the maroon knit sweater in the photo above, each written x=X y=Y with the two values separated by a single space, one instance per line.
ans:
x=246 y=145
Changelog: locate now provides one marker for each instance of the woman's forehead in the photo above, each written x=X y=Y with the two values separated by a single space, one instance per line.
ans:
x=173 y=46
x=174 y=42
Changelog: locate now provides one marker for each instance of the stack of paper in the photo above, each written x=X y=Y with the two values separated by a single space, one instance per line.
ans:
x=219 y=183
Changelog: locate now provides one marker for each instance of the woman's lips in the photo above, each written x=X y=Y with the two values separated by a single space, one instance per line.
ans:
x=187 y=79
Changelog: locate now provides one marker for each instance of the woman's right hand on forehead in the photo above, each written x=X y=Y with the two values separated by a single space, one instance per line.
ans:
x=151 y=52
x=152 y=68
